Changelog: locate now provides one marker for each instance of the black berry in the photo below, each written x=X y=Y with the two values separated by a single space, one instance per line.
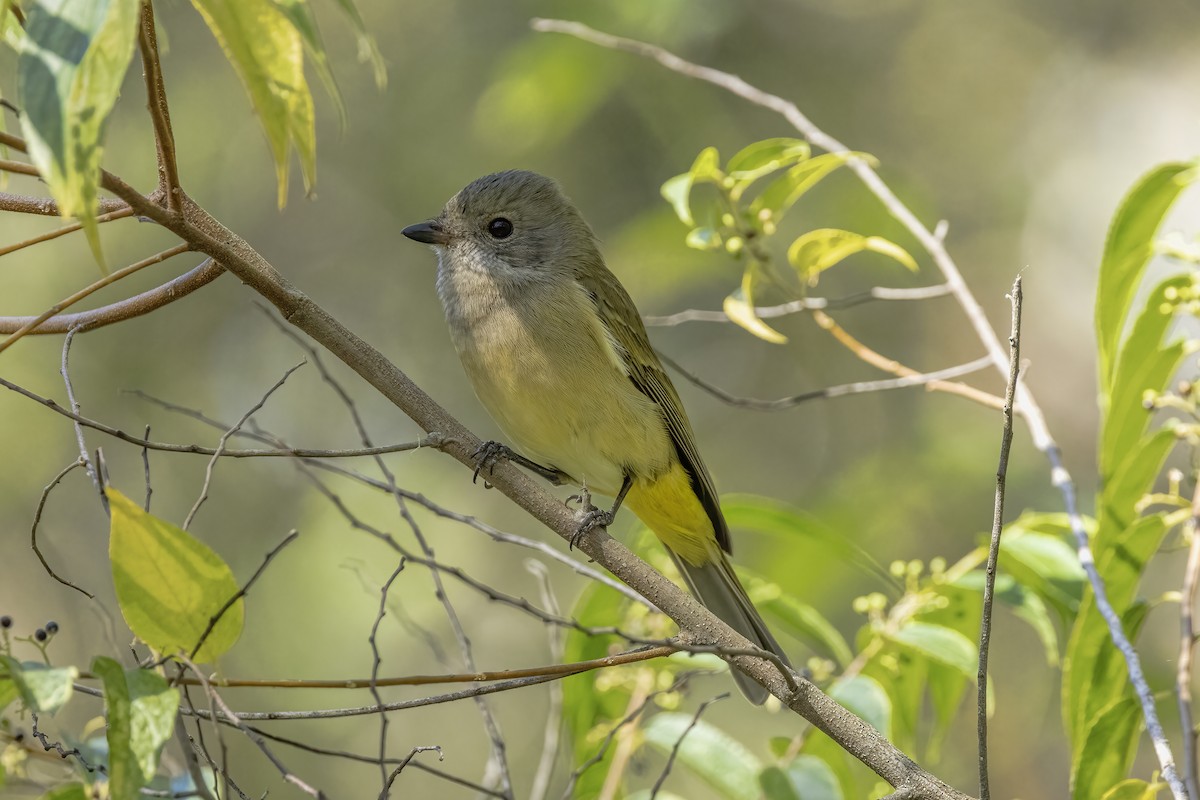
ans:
x=6 y=621
x=41 y=635
x=51 y=627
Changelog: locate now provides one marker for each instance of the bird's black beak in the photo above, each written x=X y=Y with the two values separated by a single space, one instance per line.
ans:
x=429 y=232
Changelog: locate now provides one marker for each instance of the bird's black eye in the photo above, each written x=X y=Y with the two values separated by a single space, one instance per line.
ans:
x=500 y=228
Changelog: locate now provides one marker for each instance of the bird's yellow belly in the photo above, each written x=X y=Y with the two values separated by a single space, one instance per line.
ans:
x=561 y=400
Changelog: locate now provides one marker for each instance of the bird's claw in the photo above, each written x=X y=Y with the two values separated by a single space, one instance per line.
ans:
x=592 y=518
x=486 y=457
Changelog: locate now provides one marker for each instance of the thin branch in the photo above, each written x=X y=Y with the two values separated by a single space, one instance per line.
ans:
x=228 y=716
x=152 y=299
x=805 y=304
x=146 y=470
x=638 y=696
x=65 y=372
x=554 y=717
x=989 y=586
x=387 y=784
x=212 y=462
x=44 y=206
x=72 y=227
x=662 y=778
x=376 y=662
x=1025 y=404
x=432 y=440
x=1187 y=646
x=156 y=96
x=784 y=403
x=37 y=517
x=71 y=300
x=240 y=593
x=190 y=760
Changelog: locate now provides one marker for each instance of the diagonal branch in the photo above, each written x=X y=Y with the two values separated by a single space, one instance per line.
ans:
x=160 y=116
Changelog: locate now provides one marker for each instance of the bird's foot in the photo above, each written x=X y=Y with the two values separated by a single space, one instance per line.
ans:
x=486 y=457
x=590 y=517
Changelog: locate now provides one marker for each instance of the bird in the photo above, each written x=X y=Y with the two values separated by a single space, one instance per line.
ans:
x=557 y=353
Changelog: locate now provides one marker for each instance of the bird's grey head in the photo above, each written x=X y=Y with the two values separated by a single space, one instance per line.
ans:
x=516 y=225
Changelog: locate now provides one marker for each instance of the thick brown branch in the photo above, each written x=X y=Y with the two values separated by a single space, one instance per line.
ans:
x=156 y=96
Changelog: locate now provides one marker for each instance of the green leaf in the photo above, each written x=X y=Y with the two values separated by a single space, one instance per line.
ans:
x=946 y=689
x=905 y=675
x=720 y=760
x=818 y=250
x=300 y=14
x=1143 y=364
x=863 y=696
x=789 y=524
x=153 y=708
x=169 y=584
x=1128 y=249
x=739 y=307
x=766 y=156
x=1108 y=750
x=8 y=690
x=807 y=624
x=1134 y=789
x=783 y=192
x=69 y=70
x=124 y=777
x=267 y=52
x=368 y=48
x=1135 y=476
x=940 y=644
x=678 y=190
x=42 y=688
x=1046 y=564
x=805 y=778
x=68 y=791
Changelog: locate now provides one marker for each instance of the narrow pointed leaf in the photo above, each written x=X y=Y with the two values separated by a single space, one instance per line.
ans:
x=739 y=307
x=368 y=48
x=70 y=65
x=783 y=192
x=817 y=251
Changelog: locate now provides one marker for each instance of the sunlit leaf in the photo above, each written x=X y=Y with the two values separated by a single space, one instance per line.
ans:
x=1045 y=563
x=941 y=644
x=300 y=14
x=1134 y=789
x=818 y=250
x=169 y=584
x=1109 y=746
x=864 y=696
x=267 y=52
x=721 y=761
x=1135 y=475
x=1025 y=604
x=42 y=688
x=762 y=158
x=739 y=307
x=153 y=705
x=71 y=62
x=1142 y=364
x=707 y=166
x=783 y=192
x=678 y=191
x=1127 y=250
x=124 y=776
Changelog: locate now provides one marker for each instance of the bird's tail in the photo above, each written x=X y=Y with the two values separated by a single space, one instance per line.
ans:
x=719 y=590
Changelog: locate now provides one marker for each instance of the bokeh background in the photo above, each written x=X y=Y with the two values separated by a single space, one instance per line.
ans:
x=1021 y=124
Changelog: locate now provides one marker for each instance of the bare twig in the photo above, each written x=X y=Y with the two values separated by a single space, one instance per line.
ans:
x=71 y=227
x=803 y=304
x=1187 y=646
x=387 y=784
x=376 y=661
x=71 y=300
x=65 y=372
x=190 y=759
x=227 y=715
x=554 y=718
x=44 y=206
x=156 y=95
x=146 y=470
x=928 y=379
x=37 y=517
x=240 y=593
x=989 y=585
x=679 y=742
x=212 y=462
x=150 y=300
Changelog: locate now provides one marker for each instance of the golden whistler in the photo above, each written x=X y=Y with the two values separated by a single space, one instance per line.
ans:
x=559 y=356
